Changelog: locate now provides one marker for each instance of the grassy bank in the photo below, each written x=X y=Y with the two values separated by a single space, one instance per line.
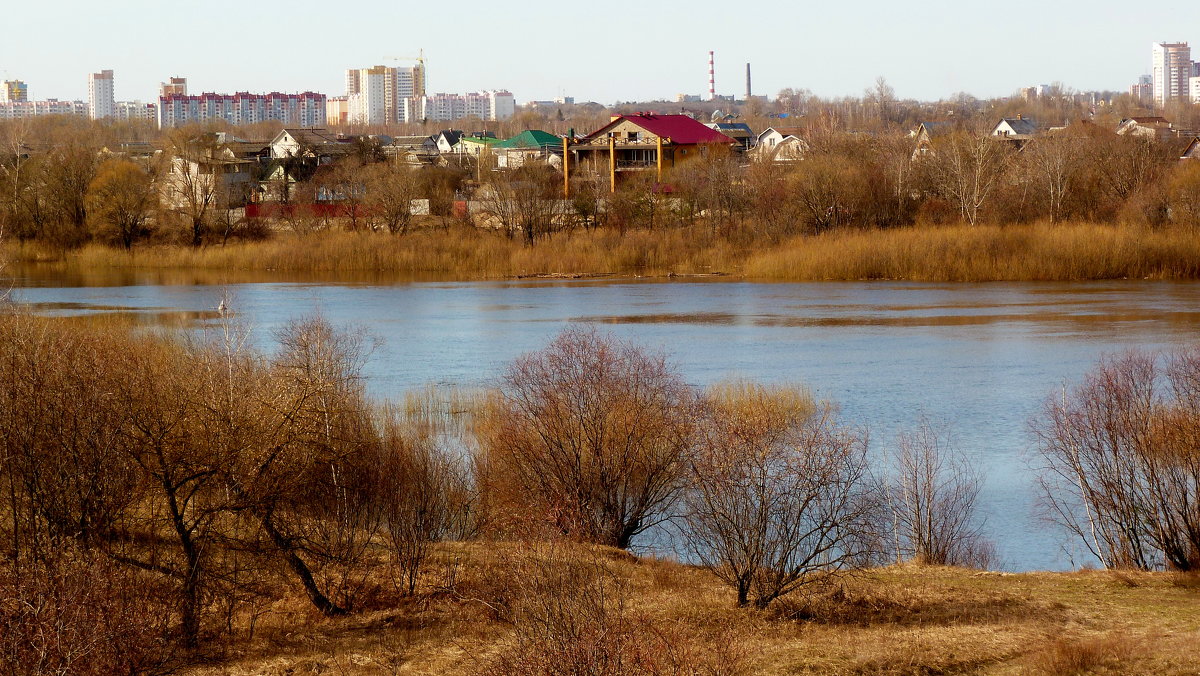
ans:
x=1042 y=252
x=897 y=620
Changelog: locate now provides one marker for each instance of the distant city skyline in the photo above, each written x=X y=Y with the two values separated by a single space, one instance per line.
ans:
x=541 y=50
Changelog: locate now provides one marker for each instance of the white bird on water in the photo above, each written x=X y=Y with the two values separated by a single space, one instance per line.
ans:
x=221 y=307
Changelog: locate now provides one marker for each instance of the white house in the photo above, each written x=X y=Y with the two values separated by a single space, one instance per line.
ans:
x=779 y=144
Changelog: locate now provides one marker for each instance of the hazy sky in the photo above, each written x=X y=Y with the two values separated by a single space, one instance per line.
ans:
x=595 y=51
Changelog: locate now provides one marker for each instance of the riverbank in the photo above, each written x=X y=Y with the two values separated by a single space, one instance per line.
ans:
x=660 y=614
x=1040 y=252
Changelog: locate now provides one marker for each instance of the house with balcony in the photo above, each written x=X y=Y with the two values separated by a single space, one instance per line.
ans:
x=645 y=142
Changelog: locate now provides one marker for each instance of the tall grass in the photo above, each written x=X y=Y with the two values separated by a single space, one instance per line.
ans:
x=1039 y=252
x=1042 y=252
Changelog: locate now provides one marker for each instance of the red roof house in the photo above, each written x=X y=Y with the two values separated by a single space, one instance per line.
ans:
x=646 y=142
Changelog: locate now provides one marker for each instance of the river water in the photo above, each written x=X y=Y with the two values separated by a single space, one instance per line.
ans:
x=980 y=358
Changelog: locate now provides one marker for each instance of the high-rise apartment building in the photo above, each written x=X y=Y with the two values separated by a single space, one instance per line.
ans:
x=1172 y=71
x=136 y=110
x=487 y=105
x=176 y=86
x=1143 y=89
x=101 y=100
x=374 y=94
x=15 y=110
x=306 y=109
x=14 y=91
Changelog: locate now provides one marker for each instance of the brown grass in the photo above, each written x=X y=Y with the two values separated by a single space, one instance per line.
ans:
x=663 y=617
x=1040 y=252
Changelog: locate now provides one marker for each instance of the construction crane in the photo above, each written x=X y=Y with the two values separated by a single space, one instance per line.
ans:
x=418 y=86
x=419 y=58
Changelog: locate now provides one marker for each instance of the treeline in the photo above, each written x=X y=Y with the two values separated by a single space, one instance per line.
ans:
x=64 y=191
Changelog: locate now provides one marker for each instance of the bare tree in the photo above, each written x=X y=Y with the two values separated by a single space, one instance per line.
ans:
x=593 y=432
x=1119 y=468
x=965 y=169
x=780 y=495
x=391 y=188
x=933 y=495
x=526 y=200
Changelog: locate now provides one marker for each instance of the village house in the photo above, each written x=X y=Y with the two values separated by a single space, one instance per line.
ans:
x=925 y=134
x=779 y=144
x=1152 y=127
x=1016 y=130
x=213 y=167
x=528 y=146
x=738 y=131
x=645 y=142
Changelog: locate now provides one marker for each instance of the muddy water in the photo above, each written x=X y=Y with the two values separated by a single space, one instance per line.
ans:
x=980 y=357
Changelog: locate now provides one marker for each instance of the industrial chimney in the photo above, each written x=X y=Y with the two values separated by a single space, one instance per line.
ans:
x=712 y=79
x=747 y=82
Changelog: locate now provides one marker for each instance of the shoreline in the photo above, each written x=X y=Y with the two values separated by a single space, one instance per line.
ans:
x=1036 y=253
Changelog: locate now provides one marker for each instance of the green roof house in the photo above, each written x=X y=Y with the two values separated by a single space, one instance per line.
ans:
x=529 y=145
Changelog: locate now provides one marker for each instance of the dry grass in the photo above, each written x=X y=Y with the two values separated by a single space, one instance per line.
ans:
x=659 y=616
x=1042 y=252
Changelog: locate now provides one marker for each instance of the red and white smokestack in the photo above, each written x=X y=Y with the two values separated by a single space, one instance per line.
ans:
x=712 y=78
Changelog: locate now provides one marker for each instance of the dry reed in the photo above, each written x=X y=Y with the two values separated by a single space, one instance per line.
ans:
x=1039 y=252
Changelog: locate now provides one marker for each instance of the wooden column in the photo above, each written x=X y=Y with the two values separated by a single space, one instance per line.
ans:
x=612 y=164
x=566 y=168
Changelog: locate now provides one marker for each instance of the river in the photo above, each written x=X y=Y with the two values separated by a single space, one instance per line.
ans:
x=980 y=358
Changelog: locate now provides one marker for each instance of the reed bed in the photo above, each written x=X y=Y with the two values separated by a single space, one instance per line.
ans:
x=1038 y=252
x=1041 y=252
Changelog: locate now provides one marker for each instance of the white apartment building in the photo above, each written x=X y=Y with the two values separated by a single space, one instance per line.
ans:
x=487 y=105
x=101 y=100
x=306 y=109
x=136 y=110
x=15 y=110
x=1172 y=71
x=374 y=94
x=371 y=100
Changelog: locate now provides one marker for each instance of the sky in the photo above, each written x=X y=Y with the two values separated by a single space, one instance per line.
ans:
x=603 y=52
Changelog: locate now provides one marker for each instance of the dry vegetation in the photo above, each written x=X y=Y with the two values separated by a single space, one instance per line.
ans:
x=191 y=505
x=1039 y=252
x=579 y=609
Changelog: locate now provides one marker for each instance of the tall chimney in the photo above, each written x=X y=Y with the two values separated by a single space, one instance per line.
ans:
x=712 y=78
x=747 y=82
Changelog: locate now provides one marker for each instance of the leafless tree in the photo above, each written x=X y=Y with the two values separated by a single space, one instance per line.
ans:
x=1119 y=468
x=526 y=200
x=593 y=432
x=391 y=188
x=966 y=168
x=932 y=495
x=780 y=496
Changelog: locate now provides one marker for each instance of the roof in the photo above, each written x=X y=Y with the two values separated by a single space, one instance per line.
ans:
x=450 y=135
x=934 y=128
x=411 y=140
x=532 y=138
x=681 y=129
x=482 y=140
x=725 y=127
x=784 y=131
x=1020 y=125
x=1146 y=120
x=312 y=137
